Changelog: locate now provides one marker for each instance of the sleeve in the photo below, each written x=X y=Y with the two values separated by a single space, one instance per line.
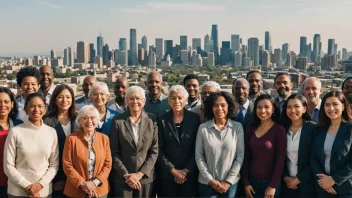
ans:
x=67 y=160
x=191 y=163
x=53 y=163
x=314 y=161
x=239 y=156
x=105 y=171
x=200 y=157
x=10 y=161
x=307 y=171
x=163 y=160
x=117 y=164
x=247 y=156
x=153 y=152
x=280 y=154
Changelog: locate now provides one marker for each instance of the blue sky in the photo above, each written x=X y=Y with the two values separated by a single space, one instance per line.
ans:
x=37 y=26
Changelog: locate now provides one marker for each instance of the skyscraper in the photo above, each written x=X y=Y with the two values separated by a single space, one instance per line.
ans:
x=196 y=42
x=100 y=44
x=52 y=54
x=133 y=46
x=278 y=57
x=159 y=44
x=184 y=57
x=106 y=53
x=316 y=47
x=145 y=43
x=215 y=46
x=82 y=52
x=207 y=43
x=331 y=46
x=253 y=50
x=266 y=58
x=168 y=46
x=123 y=44
x=285 y=50
x=225 y=56
x=335 y=49
x=344 y=54
x=303 y=46
x=211 y=59
x=92 y=52
x=268 y=41
x=235 y=43
x=183 y=42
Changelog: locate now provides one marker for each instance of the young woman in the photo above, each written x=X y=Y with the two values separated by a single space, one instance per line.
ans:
x=331 y=159
x=265 y=141
x=298 y=176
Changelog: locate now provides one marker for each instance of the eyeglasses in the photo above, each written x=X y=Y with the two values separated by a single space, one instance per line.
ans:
x=97 y=94
x=86 y=118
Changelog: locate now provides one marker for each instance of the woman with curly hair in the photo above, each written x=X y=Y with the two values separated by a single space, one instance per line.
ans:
x=28 y=79
x=219 y=147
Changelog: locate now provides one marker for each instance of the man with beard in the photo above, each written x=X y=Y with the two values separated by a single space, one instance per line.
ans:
x=283 y=86
x=312 y=89
x=347 y=90
x=255 y=84
x=47 y=86
x=156 y=102
x=240 y=90
x=88 y=82
x=191 y=83
x=118 y=103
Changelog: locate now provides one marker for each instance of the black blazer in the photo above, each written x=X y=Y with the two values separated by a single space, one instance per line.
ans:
x=341 y=158
x=248 y=118
x=127 y=157
x=61 y=136
x=304 y=171
x=175 y=152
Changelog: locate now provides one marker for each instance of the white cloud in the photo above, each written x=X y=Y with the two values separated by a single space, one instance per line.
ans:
x=314 y=9
x=47 y=3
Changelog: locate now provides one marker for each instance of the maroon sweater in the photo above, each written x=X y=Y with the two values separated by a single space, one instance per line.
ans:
x=3 y=177
x=265 y=156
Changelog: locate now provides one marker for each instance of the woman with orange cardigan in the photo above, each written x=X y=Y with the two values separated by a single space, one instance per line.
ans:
x=87 y=150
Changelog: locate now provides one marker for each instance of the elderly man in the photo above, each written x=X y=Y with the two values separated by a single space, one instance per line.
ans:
x=240 y=90
x=118 y=103
x=347 y=89
x=206 y=88
x=47 y=86
x=312 y=89
x=88 y=82
x=156 y=102
x=255 y=80
x=191 y=83
x=283 y=86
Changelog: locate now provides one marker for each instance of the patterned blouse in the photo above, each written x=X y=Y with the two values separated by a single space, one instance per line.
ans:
x=91 y=157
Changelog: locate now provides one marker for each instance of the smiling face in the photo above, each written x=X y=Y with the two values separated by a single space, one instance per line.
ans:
x=63 y=100
x=5 y=104
x=312 y=90
x=47 y=76
x=177 y=101
x=347 y=90
x=154 y=84
x=99 y=97
x=241 y=90
x=255 y=83
x=35 y=109
x=295 y=109
x=265 y=109
x=135 y=102
x=89 y=121
x=333 y=108
x=121 y=86
x=220 y=108
x=88 y=82
x=192 y=87
x=29 y=85
x=283 y=86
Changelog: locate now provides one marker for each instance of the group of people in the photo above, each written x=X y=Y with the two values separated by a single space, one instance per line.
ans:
x=196 y=141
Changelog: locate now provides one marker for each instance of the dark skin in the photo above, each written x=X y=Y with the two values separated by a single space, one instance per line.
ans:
x=241 y=90
x=347 y=90
x=255 y=84
x=154 y=85
x=192 y=87
x=121 y=86
x=47 y=75
x=88 y=82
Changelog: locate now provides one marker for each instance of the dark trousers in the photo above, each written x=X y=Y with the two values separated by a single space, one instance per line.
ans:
x=298 y=193
x=169 y=188
x=123 y=190
x=208 y=191
x=3 y=191
x=260 y=186
x=323 y=194
x=58 y=194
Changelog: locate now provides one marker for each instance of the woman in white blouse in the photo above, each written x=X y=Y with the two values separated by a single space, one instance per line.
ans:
x=31 y=157
x=298 y=177
x=61 y=116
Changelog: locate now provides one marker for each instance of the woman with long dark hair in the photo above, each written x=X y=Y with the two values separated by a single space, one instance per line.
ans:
x=298 y=176
x=265 y=143
x=331 y=159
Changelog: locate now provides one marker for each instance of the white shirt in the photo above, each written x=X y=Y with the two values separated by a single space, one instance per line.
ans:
x=48 y=96
x=22 y=115
x=136 y=128
x=67 y=128
x=245 y=108
x=292 y=151
x=193 y=104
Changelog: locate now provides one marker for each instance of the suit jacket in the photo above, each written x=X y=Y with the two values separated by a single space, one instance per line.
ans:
x=129 y=157
x=175 y=152
x=304 y=171
x=75 y=163
x=110 y=114
x=61 y=136
x=340 y=161
x=247 y=118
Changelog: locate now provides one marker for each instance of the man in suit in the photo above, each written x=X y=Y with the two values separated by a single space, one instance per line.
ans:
x=191 y=83
x=283 y=86
x=240 y=90
x=347 y=89
x=312 y=89
x=88 y=82
x=47 y=86
x=118 y=103
x=255 y=80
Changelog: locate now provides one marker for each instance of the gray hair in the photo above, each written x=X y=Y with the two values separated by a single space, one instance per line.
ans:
x=312 y=78
x=83 y=112
x=176 y=88
x=100 y=85
x=158 y=73
x=134 y=89
x=241 y=80
x=211 y=84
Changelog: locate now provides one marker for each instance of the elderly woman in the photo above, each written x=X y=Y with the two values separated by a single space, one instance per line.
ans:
x=219 y=147
x=177 y=173
x=28 y=79
x=31 y=157
x=8 y=114
x=134 y=147
x=87 y=158
x=61 y=116
x=99 y=95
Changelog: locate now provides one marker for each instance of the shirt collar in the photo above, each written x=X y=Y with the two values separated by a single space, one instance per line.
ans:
x=161 y=97
x=211 y=123
x=32 y=126
x=51 y=90
x=318 y=105
x=246 y=104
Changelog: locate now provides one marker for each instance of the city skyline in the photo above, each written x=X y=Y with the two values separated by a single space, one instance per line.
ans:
x=39 y=26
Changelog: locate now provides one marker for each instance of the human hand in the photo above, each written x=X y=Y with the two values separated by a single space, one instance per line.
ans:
x=270 y=192
x=58 y=186
x=216 y=185
x=132 y=180
x=35 y=195
x=292 y=182
x=325 y=181
x=33 y=188
x=249 y=191
x=224 y=186
x=331 y=191
x=179 y=175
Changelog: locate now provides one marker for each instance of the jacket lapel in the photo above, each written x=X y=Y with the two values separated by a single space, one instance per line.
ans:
x=248 y=115
x=340 y=136
x=302 y=141
x=170 y=122
x=128 y=126
x=186 y=122
x=142 y=129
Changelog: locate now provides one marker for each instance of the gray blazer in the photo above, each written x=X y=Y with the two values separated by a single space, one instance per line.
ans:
x=127 y=157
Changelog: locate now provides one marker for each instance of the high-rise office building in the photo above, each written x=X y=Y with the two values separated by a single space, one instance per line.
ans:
x=278 y=57
x=235 y=43
x=303 y=46
x=207 y=43
x=268 y=41
x=183 y=42
x=344 y=54
x=316 y=47
x=302 y=63
x=133 y=46
x=285 y=51
x=52 y=54
x=123 y=44
x=116 y=56
x=253 y=50
x=99 y=60
x=152 y=59
x=238 y=59
x=331 y=45
x=141 y=58
x=82 y=52
x=335 y=49
x=215 y=44
x=123 y=58
x=37 y=60
x=196 y=42
x=145 y=43
x=288 y=62
x=168 y=47
x=100 y=44
x=159 y=45
x=266 y=58
x=92 y=52
x=225 y=56
x=68 y=56
x=211 y=59
x=105 y=53
x=184 y=57
x=309 y=52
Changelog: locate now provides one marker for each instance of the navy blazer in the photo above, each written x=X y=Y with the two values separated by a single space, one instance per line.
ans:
x=248 y=118
x=341 y=158
x=304 y=171
x=106 y=128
